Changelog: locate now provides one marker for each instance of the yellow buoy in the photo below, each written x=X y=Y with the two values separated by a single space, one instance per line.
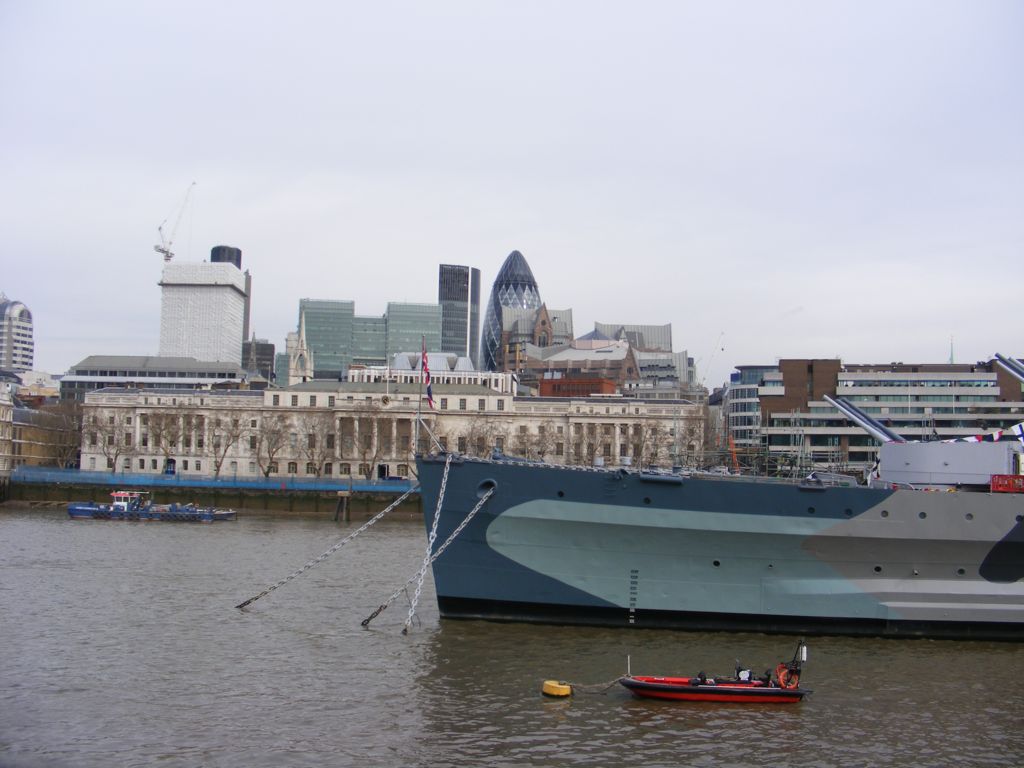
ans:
x=556 y=688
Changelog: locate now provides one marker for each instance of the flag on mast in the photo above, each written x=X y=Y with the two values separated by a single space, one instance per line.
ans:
x=425 y=376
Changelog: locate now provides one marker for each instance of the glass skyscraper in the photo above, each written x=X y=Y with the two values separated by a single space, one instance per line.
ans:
x=513 y=287
x=328 y=326
x=458 y=293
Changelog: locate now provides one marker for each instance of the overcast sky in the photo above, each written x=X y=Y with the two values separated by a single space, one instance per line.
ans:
x=775 y=179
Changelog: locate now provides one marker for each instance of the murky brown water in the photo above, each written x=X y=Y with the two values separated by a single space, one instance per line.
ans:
x=121 y=647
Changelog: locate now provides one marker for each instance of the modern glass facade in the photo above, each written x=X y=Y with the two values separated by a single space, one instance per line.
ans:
x=514 y=286
x=409 y=326
x=338 y=338
x=458 y=293
x=369 y=335
x=328 y=326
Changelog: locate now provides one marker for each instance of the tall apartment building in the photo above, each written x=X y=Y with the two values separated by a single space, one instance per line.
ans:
x=203 y=311
x=17 y=347
x=458 y=293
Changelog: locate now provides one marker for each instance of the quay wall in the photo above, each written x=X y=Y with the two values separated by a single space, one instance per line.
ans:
x=288 y=496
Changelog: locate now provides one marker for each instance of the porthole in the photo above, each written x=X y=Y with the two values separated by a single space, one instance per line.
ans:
x=969 y=515
x=647 y=499
x=885 y=513
x=716 y=563
x=878 y=569
x=1020 y=518
x=485 y=487
x=561 y=494
x=848 y=512
x=922 y=515
x=960 y=571
x=810 y=510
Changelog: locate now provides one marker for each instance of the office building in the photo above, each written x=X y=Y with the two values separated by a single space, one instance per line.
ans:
x=17 y=347
x=331 y=338
x=458 y=293
x=202 y=311
x=515 y=288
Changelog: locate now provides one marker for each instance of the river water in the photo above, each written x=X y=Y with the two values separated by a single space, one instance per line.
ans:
x=121 y=646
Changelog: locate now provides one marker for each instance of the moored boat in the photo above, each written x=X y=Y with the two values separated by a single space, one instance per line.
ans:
x=703 y=551
x=742 y=688
x=138 y=505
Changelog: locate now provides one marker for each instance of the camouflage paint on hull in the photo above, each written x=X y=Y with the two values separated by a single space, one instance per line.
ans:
x=617 y=548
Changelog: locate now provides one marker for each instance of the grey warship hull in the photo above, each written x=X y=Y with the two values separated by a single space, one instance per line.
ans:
x=631 y=549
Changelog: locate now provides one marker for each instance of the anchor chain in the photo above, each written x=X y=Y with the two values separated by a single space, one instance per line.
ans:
x=429 y=558
x=430 y=545
x=330 y=551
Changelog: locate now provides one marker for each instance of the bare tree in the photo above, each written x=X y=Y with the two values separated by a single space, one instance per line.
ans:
x=166 y=428
x=315 y=427
x=544 y=441
x=271 y=436
x=481 y=435
x=225 y=432
x=113 y=439
x=649 y=442
x=67 y=439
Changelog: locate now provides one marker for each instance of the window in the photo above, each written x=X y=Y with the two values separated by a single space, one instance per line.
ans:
x=143 y=419
x=328 y=469
x=344 y=469
x=92 y=438
x=462 y=444
x=522 y=429
x=152 y=464
x=311 y=441
x=184 y=464
x=330 y=401
x=127 y=421
x=444 y=403
x=295 y=400
x=252 y=423
x=312 y=401
x=330 y=441
x=403 y=470
x=199 y=466
x=275 y=400
x=127 y=464
x=110 y=463
x=252 y=442
x=310 y=468
x=559 y=449
x=501 y=405
x=499 y=442
x=481 y=404
x=364 y=469
x=252 y=467
x=142 y=463
x=293 y=467
x=145 y=440
x=462 y=403
x=272 y=468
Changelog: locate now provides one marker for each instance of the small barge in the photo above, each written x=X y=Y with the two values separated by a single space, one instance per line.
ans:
x=138 y=505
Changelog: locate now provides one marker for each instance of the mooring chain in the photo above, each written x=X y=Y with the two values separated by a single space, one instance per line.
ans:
x=330 y=551
x=430 y=544
x=433 y=557
x=428 y=561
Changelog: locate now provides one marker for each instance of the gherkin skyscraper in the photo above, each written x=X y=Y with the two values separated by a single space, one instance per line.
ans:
x=513 y=287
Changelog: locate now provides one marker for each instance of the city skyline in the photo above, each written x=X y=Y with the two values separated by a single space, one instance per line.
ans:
x=789 y=180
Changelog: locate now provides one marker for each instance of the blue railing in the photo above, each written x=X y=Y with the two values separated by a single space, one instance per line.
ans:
x=29 y=474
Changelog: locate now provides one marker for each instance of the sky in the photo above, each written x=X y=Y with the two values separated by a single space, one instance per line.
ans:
x=783 y=179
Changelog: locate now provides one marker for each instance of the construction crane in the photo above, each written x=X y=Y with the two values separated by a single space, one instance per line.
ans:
x=167 y=241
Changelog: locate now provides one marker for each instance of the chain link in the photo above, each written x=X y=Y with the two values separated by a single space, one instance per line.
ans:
x=428 y=561
x=330 y=551
x=430 y=545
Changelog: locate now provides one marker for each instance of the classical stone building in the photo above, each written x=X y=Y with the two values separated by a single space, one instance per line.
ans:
x=369 y=429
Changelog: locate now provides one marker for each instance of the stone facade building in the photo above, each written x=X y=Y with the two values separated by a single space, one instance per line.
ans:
x=369 y=429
